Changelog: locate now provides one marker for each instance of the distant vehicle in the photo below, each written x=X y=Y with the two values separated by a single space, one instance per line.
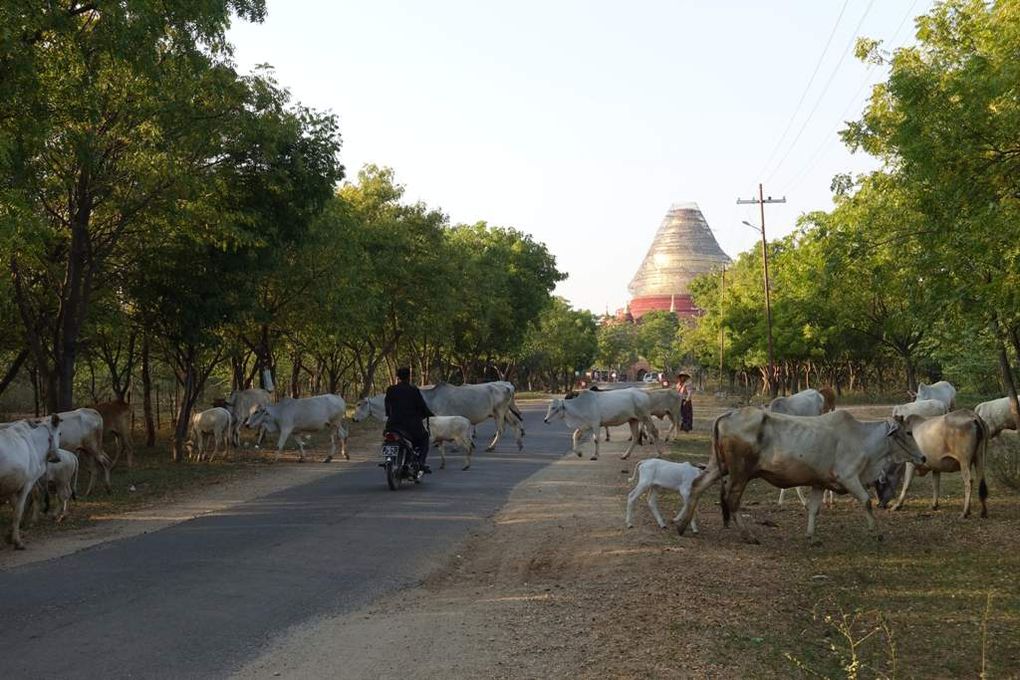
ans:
x=651 y=377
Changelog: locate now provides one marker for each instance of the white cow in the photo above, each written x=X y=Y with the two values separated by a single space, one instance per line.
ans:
x=943 y=390
x=997 y=414
x=242 y=404
x=663 y=403
x=954 y=442
x=477 y=403
x=62 y=480
x=809 y=402
x=81 y=431
x=308 y=414
x=926 y=408
x=832 y=451
x=216 y=422
x=442 y=429
x=655 y=474
x=587 y=412
x=25 y=449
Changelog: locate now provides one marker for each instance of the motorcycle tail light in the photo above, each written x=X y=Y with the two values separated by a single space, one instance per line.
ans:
x=391 y=437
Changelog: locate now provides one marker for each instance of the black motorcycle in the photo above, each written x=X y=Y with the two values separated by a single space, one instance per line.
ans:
x=400 y=459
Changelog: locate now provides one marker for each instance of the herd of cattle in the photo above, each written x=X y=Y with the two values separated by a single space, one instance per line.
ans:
x=799 y=441
x=40 y=457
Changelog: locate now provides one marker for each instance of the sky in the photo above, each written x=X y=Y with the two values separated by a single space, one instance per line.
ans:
x=580 y=123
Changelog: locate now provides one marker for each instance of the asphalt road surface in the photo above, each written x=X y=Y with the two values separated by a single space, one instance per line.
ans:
x=198 y=599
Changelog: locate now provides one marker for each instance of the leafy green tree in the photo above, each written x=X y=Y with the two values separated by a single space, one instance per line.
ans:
x=657 y=340
x=617 y=345
x=563 y=342
x=111 y=115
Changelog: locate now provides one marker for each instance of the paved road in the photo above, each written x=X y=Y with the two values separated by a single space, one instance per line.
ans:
x=198 y=599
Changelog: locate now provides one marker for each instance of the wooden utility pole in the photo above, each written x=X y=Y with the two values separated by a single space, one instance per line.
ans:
x=722 y=330
x=761 y=201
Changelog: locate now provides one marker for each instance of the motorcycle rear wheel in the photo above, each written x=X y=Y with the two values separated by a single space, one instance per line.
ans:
x=392 y=475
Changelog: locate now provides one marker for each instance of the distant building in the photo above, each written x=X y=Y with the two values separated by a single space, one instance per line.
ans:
x=683 y=249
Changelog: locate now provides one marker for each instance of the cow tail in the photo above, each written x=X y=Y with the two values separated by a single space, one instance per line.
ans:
x=982 y=451
x=716 y=458
x=634 y=474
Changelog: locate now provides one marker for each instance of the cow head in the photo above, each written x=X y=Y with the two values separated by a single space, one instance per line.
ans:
x=363 y=411
x=556 y=409
x=888 y=481
x=903 y=448
x=52 y=427
x=258 y=418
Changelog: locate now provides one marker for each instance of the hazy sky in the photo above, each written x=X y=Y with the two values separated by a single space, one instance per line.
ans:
x=581 y=122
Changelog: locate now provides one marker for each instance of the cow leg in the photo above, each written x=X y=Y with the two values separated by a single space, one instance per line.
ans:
x=653 y=503
x=653 y=432
x=936 y=478
x=731 y=498
x=632 y=497
x=573 y=441
x=908 y=475
x=495 y=439
x=442 y=455
x=19 y=510
x=607 y=433
x=284 y=435
x=595 y=439
x=683 y=508
x=967 y=483
x=814 y=502
x=634 y=433
x=801 y=496
x=705 y=480
x=856 y=489
x=782 y=492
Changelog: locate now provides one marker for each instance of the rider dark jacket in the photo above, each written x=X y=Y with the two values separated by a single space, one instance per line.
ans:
x=405 y=411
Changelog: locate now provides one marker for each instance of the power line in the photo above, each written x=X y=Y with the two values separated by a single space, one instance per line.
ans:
x=821 y=96
x=817 y=154
x=807 y=88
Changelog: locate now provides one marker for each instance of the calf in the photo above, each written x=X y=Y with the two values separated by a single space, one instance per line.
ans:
x=216 y=422
x=456 y=429
x=62 y=480
x=950 y=443
x=655 y=474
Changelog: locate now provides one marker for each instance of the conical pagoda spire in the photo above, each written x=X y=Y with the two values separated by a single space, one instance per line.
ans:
x=683 y=248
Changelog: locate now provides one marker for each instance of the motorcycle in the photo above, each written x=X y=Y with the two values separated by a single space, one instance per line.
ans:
x=400 y=460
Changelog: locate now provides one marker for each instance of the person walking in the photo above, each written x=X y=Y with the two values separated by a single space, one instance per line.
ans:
x=686 y=408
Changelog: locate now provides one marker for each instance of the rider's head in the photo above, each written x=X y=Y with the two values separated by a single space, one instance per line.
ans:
x=403 y=374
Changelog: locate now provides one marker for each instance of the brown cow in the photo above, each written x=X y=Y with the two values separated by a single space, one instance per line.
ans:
x=951 y=443
x=117 y=422
x=830 y=399
x=833 y=451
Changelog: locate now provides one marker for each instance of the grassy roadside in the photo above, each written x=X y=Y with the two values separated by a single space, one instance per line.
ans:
x=937 y=597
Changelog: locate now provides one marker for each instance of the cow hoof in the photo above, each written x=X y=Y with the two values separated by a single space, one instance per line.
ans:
x=662 y=526
x=520 y=447
x=466 y=467
x=594 y=458
x=814 y=542
x=327 y=459
x=490 y=449
x=19 y=546
x=579 y=454
x=347 y=456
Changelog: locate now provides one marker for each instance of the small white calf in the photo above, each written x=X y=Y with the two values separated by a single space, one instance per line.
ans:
x=217 y=422
x=456 y=429
x=655 y=474
x=62 y=479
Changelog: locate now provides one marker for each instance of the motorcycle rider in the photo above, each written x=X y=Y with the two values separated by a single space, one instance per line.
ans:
x=406 y=411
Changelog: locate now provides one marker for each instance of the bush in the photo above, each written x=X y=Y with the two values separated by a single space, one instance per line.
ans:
x=1004 y=460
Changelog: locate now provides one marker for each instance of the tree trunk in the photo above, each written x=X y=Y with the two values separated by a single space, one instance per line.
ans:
x=1006 y=370
x=295 y=375
x=150 y=424
x=12 y=370
x=178 y=448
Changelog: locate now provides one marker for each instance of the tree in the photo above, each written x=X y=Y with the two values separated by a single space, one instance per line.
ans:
x=563 y=342
x=111 y=116
x=657 y=340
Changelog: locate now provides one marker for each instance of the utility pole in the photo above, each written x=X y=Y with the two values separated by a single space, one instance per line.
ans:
x=722 y=330
x=761 y=201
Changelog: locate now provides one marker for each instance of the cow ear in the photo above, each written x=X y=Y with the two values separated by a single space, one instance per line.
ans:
x=893 y=426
